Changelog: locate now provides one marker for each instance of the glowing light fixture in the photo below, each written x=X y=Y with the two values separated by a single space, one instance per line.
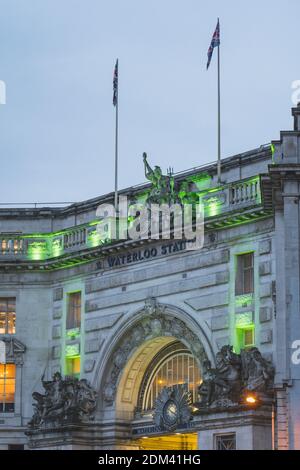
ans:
x=250 y=399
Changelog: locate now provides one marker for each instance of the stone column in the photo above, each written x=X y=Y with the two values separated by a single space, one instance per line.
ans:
x=292 y=267
x=285 y=178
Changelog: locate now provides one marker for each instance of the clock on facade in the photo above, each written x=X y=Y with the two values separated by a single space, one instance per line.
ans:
x=171 y=413
x=173 y=407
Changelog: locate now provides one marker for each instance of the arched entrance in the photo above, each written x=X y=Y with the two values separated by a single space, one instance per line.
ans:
x=160 y=346
x=173 y=365
x=160 y=363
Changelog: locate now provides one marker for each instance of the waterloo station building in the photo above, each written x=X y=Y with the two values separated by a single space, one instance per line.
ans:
x=144 y=323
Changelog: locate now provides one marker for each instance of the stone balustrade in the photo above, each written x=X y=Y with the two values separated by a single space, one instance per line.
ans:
x=217 y=201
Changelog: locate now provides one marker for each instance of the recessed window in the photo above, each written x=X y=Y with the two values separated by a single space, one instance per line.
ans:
x=7 y=316
x=246 y=337
x=7 y=388
x=74 y=310
x=244 y=281
x=225 y=441
x=73 y=366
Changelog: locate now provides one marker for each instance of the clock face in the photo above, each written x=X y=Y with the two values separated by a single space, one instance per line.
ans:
x=170 y=412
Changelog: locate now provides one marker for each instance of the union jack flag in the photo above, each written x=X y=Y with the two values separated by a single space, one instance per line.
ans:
x=214 y=43
x=115 y=85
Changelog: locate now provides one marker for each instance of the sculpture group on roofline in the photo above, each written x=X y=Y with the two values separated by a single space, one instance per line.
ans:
x=166 y=190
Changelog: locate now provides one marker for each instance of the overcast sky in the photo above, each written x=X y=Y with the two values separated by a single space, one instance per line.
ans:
x=57 y=59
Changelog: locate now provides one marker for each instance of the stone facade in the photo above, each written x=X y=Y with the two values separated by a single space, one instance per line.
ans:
x=139 y=297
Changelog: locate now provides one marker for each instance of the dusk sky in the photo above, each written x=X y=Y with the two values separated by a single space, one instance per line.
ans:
x=57 y=59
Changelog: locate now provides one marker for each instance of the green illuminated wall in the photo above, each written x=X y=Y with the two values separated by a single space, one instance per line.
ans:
x=243 y=309
x=216 y=201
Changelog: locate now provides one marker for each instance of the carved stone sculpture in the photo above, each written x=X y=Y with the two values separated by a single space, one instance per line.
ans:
x=162 y=190
x=64 y=401
x=258 y=374
x=233 y=376
x=224 y=382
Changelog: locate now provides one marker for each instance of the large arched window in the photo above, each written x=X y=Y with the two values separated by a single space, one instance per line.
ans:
x=174 y=365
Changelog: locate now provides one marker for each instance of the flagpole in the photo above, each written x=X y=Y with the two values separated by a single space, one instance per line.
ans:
x=116 y=145
x=219 y=118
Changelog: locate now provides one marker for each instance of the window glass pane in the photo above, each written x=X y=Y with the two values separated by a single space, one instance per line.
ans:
x=248 y=260
x=10 y=370
x=248 y=337
x=239 y=276
x=179 y=375
x=74 y=310
x=180 y=368
x=2 y=323
x=10 y=391
x=9 y=407
x=11 y=305
x=11 y=323
x=3 y=305
x=73 y=366
x=248 y=277
x=7 y=315
x=1 y=390
x=244 y=274
x=76 y=365
x=7 y=387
